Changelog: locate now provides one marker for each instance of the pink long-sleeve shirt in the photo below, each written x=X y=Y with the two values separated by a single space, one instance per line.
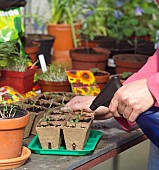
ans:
x=150 y=71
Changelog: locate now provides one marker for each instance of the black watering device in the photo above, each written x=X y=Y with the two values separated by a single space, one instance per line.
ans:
x=148 y=121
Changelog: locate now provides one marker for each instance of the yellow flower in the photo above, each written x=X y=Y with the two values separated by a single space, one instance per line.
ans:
x=30 y=64
x=72 y=76
x=86 y=77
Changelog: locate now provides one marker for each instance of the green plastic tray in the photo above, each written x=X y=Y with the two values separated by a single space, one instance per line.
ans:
x=89 y=147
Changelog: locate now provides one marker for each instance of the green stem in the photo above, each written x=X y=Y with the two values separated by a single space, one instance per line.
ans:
x=72 y=28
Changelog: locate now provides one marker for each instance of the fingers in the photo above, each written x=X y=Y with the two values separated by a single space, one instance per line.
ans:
x=103 y=116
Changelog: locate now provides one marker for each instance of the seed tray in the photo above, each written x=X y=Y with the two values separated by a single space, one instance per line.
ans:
x=92 y=141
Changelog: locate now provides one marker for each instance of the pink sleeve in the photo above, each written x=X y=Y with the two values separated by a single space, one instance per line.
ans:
x=150 y=71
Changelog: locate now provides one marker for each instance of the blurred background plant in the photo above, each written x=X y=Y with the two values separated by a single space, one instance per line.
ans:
x=133 y=19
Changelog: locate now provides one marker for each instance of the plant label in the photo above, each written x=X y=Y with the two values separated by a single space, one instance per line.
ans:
x=42 y=63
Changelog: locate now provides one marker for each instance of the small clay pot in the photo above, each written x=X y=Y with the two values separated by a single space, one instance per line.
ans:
x=129 y=62
x=86 y=58
x=102 y=77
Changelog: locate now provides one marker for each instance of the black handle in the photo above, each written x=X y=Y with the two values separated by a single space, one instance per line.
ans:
x=105 y=96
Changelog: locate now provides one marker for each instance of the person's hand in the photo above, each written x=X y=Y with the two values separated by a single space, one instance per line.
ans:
x=83 y=103
x=131 y=100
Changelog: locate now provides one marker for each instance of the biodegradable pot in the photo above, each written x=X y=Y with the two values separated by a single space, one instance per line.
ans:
x=20 y=81
x=46 y=44
x=11 y=134
x=76 y=137
x=86 y=58
x=47 y=86
x=31 y=48
x=53 y=138
x=129 y=62
x=102 y=77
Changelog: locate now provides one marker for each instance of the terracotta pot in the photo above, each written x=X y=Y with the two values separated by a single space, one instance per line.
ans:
x=84 y=60
x=11 y=134
x=47 y=86
x=102 y=77
x=31 y=49
x=20 y=81
x=46 y=44
x=129 y=62
x=63 y=34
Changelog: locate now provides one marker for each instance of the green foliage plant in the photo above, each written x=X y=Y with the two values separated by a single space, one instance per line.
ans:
x=54 y=73
x=133 y=19
x=11 y=58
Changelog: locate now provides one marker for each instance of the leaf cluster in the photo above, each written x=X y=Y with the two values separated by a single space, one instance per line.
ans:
x=11 y=59
x=54 y=73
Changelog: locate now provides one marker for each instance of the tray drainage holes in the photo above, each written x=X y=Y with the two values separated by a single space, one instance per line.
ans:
x=49 y=145
x=74 y=146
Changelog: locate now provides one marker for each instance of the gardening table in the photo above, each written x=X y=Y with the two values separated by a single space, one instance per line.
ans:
x=114 y=140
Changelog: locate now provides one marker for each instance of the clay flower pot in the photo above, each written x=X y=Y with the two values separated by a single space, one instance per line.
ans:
x=63 y=43
x=102 y=77
x=20 y=81
x=32 y=48
x=50 y=86
x=86 y=58
x=12 y=132
x=129 y=62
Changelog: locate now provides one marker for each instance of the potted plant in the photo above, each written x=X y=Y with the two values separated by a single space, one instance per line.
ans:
x=63 y=24
x=12 y=124
x=94 y=30
x=86 y=58
x=54 y=79
x=129 y=62
x=14 y=68
x=101 y=77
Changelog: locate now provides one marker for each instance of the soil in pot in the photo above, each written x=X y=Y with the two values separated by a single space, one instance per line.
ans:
x=86 y=58
x=129 y=62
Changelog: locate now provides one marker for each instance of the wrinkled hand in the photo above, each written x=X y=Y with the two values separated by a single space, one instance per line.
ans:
x=131 y=100
x=83 y=103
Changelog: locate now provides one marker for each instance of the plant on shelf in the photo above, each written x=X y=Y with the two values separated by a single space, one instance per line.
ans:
x=54 y=79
